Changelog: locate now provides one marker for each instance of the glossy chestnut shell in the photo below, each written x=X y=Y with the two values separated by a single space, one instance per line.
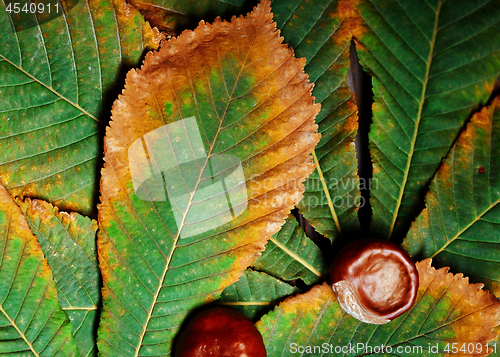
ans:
x=220 y=332
x=374 y=281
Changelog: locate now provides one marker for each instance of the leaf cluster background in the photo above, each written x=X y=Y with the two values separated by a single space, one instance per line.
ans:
x=404 y=99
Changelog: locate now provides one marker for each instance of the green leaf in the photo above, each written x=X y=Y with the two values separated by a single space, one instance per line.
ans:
x=447 y=310
x=69 y=243
x=205 y=157
x=255 y=293
x=54 y=78
x=321 y=31
x=460 y=226
x=290 y=255
x=32 y=322
x=434 y=63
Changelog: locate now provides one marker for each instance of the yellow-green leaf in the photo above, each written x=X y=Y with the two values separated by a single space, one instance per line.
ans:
x=460 y=227
x=55 y=80
x=204 y=158
x=69 y=243
x=291 y=255
x=32 y=322
x=255 y=293
x=447 y=310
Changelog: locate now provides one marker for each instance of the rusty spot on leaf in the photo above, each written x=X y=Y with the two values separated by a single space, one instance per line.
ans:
x=352 y=23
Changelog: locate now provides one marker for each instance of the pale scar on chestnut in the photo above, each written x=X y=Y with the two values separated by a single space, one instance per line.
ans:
x=374 y=281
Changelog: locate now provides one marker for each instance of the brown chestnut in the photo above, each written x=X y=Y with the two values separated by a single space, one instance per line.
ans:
x=220 y=332
x=374 y=281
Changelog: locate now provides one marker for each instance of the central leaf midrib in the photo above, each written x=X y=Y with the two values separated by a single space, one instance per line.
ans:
x=174 y=245
x=417 y=124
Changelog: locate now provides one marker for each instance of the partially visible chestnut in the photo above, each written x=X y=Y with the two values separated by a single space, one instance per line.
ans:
x=220 y=332
x=374 y=281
